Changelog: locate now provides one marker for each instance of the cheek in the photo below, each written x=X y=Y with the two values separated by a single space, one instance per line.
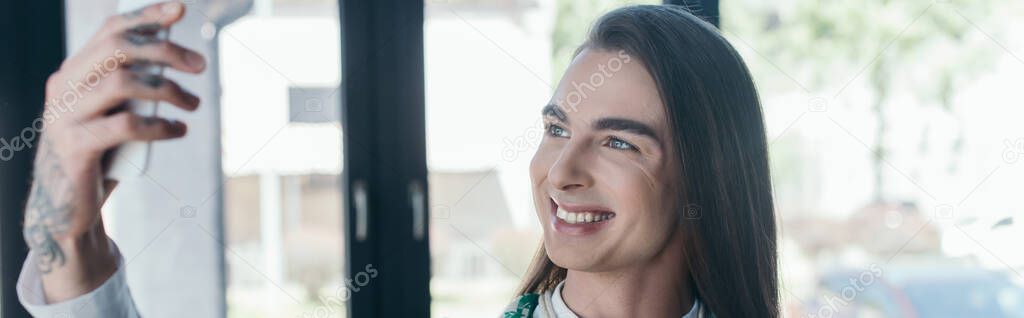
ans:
x=647 y=231
x=647 y=200
x=644 y=199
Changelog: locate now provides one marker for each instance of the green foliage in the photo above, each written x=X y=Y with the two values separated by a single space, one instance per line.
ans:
x=924 y=47
x=824 y=43
x=573 y=19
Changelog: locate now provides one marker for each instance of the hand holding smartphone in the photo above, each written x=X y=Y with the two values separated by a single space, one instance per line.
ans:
x=120 y=68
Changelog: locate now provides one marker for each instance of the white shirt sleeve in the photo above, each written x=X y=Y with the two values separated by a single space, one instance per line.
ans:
x=112 y=299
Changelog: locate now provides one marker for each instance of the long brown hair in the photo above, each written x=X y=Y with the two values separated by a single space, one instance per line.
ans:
x=715 y=115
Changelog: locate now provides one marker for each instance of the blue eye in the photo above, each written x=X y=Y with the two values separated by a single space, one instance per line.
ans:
x=557 y=131
x=617 y=143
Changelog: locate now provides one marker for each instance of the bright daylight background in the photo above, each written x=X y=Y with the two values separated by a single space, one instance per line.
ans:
x=894 y=126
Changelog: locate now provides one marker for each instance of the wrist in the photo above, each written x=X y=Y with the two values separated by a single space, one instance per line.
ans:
x=93 y=242
x=81 y=265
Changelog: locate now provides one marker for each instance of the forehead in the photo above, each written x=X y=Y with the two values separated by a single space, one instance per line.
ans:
x=609 y=83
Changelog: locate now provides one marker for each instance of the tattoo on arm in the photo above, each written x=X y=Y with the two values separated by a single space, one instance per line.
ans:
x=48 y=212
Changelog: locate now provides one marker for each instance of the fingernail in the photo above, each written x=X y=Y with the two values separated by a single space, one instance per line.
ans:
x=195 y=60
x=172 y=8
x=178 y=127
x=194 y=100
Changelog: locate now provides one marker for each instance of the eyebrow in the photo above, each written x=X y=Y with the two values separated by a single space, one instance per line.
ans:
x=554 y=111
x=610 y=123
x=627 y=125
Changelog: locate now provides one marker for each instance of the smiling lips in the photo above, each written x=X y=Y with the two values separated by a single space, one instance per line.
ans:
x=578 y=219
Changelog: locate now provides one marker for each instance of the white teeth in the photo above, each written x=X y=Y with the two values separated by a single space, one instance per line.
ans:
x=581 y=217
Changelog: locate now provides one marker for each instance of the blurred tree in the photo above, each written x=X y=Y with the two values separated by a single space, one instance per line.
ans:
x=831 y=44
x=573 y=19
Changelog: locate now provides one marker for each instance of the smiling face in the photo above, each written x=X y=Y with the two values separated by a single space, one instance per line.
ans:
x=604 y=176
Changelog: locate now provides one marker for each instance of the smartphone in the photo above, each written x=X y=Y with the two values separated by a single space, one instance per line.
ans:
x=131 y=159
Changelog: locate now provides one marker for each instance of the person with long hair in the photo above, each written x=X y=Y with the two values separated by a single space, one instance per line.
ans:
x=652 y=181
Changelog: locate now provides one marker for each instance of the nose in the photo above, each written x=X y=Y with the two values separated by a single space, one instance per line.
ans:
x=571 y=170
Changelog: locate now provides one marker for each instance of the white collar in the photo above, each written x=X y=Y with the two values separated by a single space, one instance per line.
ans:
x=562 y=310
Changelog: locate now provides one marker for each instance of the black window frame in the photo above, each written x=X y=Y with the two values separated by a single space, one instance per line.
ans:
x=383 y=118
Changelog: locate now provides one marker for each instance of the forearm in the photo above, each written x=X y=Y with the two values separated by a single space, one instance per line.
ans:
x=72 y=253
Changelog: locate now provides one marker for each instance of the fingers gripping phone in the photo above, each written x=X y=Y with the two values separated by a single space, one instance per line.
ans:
x=131 y=159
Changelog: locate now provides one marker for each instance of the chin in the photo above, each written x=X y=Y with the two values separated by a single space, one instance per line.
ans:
x=577 y=259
